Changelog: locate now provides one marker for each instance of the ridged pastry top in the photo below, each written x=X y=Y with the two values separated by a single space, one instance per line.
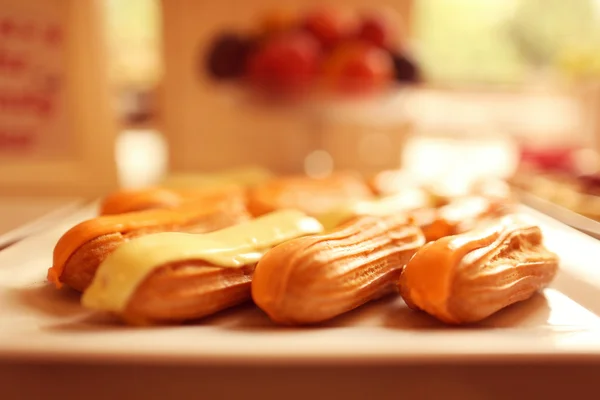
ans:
x=317 y=277
x=431 y=275
x=244 y=244
x=88 y=230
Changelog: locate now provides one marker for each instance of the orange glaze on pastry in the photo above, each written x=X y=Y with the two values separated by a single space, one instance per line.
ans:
x=125 y=201
x=123 y=223
x=310 y=195
x=467 y=277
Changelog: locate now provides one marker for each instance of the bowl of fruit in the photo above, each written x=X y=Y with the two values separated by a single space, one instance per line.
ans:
x=322 y=52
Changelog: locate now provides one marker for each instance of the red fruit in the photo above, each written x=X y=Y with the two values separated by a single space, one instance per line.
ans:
x=358 y=68
x=376 y=29
x=549 y=159
x=286 y=64
x=329 y=26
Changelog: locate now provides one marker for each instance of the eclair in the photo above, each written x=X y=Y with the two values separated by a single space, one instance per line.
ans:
x=312 y=279
x=468 y=277
x=81 y=249
x=310 y=195
x=174 y=277
x=125 y=201
x=492 y=188
x=409 y=200
x=458 y=216
x=391 y=182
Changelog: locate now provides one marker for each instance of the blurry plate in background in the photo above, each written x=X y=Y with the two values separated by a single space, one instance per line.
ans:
x=562 y=214
x=24 y=216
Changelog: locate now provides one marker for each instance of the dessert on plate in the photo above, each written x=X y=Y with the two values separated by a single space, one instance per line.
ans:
x=311 y=195
x=315 y=278
x=305 y=250
x=175 y=276
x=467 y=277
x=124 y=201
x=82 y=248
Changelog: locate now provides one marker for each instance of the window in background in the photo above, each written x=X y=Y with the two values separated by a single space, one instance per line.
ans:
x=134 y=40
x=505 y=41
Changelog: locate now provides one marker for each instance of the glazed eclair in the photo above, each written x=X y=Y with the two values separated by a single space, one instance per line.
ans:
x=312 y=279
x=406 y=201
x=81 y=249
x=458 y=216
x=467 y=277
x=173 y=277
x=310 y=195
x=125 y=201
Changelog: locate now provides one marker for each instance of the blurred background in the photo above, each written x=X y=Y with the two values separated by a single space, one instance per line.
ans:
x=510 y=65
x=474 y=44
x=441 y=88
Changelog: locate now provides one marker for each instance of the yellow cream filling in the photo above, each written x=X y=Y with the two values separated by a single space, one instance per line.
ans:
x=379 y=207
x=123 y=270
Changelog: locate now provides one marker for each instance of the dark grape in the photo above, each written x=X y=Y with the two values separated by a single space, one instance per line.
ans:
x=226 y=58
x=406 y=70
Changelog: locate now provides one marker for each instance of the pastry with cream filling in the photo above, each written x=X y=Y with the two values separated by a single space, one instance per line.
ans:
x=173 y=277
x=80 y=250
x=406 y=201
x=310 y=195
x=458 y=216
x=125 y=201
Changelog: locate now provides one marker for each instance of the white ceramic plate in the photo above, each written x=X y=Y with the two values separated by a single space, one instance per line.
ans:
x=563 y=322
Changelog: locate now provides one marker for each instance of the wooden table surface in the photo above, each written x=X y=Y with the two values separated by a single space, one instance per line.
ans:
x=465 y=382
